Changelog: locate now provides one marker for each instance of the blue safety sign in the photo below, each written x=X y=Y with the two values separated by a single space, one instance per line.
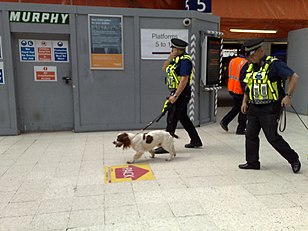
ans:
x=60 y=54
x=60 y=51
x=27 y=50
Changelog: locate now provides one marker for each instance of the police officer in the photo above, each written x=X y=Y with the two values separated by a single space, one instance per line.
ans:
x=178 y=68
x=263 y=99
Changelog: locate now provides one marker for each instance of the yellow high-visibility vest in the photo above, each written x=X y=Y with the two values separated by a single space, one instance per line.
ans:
x=261 y=89
x=172 y=79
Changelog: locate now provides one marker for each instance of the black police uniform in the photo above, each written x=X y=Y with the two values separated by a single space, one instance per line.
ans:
x=266 y=116
x=178 y=111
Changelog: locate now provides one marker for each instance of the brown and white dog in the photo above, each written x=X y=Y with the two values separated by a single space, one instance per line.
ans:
x=146 y=142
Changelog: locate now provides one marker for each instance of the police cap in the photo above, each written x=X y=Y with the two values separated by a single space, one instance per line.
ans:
x=253 y=44
x=178 y=43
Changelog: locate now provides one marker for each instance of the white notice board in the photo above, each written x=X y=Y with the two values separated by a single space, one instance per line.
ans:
x=155 y=43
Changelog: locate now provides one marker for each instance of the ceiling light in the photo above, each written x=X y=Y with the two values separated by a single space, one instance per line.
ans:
x=253 y=31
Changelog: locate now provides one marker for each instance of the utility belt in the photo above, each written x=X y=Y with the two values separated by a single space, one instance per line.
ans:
x=186 y=93
x=259 y=101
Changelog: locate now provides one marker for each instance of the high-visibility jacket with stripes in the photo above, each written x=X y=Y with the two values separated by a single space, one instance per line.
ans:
x=172 y=79
x=234 y=73
x=261 y=89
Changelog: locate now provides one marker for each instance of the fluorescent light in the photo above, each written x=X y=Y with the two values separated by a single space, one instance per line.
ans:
x=253 y=31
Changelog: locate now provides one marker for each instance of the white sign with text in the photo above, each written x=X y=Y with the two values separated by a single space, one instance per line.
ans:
x=156 y=43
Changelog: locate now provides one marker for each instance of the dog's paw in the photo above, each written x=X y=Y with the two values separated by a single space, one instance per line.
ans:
x=130 y=162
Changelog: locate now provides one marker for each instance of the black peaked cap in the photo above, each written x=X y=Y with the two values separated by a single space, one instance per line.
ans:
x=253 y=44
x=178 y=43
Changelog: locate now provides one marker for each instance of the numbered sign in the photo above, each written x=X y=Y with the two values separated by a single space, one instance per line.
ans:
x=199 y=5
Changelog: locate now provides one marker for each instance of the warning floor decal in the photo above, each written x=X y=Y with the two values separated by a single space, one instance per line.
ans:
x=129 y=172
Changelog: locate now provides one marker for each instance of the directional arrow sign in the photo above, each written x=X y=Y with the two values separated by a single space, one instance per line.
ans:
x=125 y=173
x=131 y=171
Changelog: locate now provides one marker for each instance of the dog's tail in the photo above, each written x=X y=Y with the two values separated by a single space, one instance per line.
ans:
x=174 y=135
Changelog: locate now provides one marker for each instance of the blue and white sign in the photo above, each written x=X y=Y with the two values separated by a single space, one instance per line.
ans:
x=1 y=73
x=60 y=51
x=27 y=50
x=199 y=5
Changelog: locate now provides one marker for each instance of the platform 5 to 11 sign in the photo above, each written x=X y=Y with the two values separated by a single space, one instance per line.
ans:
x=156 y=43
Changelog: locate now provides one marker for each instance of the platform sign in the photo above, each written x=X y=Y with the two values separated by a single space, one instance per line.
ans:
x=45 y=73
x=156 y=43
x=60 y=51
x=44 y=50
x=131 y=172
x=199 y=5
x=27 y=50
x=1 y=73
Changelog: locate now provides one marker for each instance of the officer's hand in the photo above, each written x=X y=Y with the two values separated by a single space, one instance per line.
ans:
x=173 y=54
x=286 y=101
x=172 y=99
x=244 y=108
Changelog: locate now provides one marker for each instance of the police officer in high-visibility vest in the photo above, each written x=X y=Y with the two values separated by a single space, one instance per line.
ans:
x=236 y=89
x=178 y=68
x=262 y=102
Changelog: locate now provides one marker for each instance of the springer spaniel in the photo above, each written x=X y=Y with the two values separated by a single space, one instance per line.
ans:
x=146 y=142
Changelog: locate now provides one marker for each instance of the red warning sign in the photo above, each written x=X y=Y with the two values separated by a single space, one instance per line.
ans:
x=45 y=73
x=44 y=50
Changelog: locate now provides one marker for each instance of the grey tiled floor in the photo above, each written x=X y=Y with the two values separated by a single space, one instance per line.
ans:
x=55 y=181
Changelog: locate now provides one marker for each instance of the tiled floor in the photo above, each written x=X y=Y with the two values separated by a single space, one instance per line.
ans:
x=55 y=181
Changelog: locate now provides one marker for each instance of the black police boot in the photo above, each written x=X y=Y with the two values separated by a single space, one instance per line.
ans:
x=193 y=145
x=250 y=166
x=296 y=166
x=224 y=126
x=160 y=150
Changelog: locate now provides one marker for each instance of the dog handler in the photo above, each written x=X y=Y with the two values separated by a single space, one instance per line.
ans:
x=178 y=68
x=265 y=96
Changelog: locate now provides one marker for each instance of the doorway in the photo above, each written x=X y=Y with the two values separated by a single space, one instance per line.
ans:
x=43 y=84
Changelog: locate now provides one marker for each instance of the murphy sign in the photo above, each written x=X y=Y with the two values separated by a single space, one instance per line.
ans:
x=39 y=17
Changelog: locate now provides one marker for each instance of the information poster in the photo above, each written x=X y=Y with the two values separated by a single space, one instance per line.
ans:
x=1 y=57
x=44 y=50
x=106 y=42
x=156 y=43
x=45 y=73
x=60 y=51
x=27 y=50
x=1 y=74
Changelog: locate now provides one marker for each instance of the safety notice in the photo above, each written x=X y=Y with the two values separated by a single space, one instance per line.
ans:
x=45 y=73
